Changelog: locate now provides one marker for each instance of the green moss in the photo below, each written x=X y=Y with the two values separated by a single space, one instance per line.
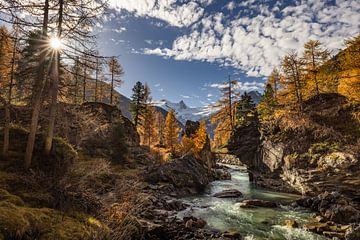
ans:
x=18 y=221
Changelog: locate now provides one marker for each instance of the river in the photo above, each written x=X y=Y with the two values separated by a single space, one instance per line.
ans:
x=255 y=223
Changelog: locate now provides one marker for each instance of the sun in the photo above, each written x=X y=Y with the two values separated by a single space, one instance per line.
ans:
x=55 y=43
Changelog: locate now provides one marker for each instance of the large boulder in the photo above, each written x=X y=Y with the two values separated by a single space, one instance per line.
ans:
x=229 y=193
x=186 y=174
x=250 y=203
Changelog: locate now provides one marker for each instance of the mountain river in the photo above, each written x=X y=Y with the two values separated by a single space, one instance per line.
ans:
x=254 y=223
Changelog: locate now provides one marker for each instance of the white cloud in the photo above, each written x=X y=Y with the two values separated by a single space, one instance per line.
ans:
x=256 y=43
x=157 y=85
x=120 y=30
x=210 y=95
x=185 y=96
x=231 y=6
x=240 y=86
x=177 y=14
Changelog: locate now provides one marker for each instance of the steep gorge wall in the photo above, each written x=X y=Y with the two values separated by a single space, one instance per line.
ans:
x=307 y=153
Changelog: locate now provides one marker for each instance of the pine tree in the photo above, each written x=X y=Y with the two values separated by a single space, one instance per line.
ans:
x=171 y=132
x=266 y=106
x=314 y=56
x=116 y=71
x=245 y=110
x=138 y=104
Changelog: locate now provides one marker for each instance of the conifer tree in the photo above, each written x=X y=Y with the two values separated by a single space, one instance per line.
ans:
x=314 y=56
x=266 y=106
x=138 y=104
x=148 y=132
x=274 y=81
x=147 y=127
x=171 y=131
x=245 y=110
x=116 y=71
x=225 y=118
x=200 y=137
x=293 y=80
x=7 y=68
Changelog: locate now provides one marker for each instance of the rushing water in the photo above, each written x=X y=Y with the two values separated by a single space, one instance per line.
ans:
x=255 y=223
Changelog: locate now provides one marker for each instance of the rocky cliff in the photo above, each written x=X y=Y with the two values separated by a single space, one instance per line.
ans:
x=300 y=151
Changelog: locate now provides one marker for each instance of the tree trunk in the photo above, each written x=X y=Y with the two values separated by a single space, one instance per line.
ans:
x=8 y=104
x=84 y=85
x=37 y=94
x=112 y=87
x=96 y=80
x=76 y=80
x=54 y=87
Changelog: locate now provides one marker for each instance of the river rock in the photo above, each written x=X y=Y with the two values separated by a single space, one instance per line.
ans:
x=193 y=222
x=232 y=235
x=250 y=203
x=230 y=193
x=220 y=174
x=353 y=233
x=333 y=207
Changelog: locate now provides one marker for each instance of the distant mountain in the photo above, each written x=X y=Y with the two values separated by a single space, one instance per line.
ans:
x=124 y=105
x=255 y=96
x=184 y=113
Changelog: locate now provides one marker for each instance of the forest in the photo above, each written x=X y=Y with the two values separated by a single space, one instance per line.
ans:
x=73 y=166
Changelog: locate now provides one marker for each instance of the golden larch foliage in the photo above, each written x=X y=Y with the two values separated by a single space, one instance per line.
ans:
x=171 y=131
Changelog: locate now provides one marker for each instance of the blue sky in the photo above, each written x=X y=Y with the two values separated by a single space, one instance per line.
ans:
x=185 y=49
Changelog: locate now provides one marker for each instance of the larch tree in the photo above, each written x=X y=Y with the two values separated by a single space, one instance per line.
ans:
x=54 y=83
x=292 y=82
x=200 y=138
x=349 y=84
x=138 y=103
x=7 y=69
x=314 y=57
x=116 y=71
x=225 y=118
x=37 y=91
x=160 y=125
x=149 y=131
x=274 y=81
x=171 y=132
x=147 y=127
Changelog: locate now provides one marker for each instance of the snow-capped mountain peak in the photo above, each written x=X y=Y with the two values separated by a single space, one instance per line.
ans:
x=184 y=112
